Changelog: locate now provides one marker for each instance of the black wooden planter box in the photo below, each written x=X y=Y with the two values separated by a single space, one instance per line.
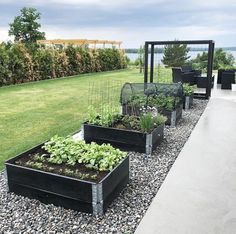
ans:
x=124 y=139
x=70 y=193
x=172 y=116
x=188 y=102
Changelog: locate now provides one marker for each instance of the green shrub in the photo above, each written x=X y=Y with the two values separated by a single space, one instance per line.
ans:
x=5 y=72
x=44 y=63
x=61 y=63
x=222 y=59
x=22 y=63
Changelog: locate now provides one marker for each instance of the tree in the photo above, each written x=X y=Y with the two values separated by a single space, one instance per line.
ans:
x=25 y=27
x=141 y=58
x=222 y=59
x=175 y=55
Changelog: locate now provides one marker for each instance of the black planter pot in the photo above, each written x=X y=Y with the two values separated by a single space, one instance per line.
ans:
x=70 y=193
x=202 y=82
x=124 y=139
x=188 y=102
x=173 y=116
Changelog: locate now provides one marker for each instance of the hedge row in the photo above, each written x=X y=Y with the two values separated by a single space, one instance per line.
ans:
x=19 y=64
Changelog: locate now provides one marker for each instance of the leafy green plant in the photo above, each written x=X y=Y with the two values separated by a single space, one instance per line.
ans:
x=99 y=157
x=159 y=120
x=138 y=101
x=106 y=118
x=131 y=122
x=161 y=101
x=188 y=89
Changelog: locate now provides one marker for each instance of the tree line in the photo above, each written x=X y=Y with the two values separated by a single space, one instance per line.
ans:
x=24 y=60
x=20 y=63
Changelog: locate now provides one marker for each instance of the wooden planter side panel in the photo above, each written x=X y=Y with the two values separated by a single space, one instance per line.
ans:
x=157 y=136
x=115 y=183
x=52 y=183
x=125 y=140
x=70 y=193
x=50 y=198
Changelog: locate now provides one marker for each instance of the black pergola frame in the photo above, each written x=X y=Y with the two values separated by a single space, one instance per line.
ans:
x=211 y=46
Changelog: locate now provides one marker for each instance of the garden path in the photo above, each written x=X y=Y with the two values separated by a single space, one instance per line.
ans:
x=198 y=195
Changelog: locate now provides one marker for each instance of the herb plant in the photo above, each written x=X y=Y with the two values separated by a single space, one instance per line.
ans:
x=146 y=122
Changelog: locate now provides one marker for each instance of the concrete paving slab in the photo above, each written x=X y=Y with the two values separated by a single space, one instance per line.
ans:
x=198 y=195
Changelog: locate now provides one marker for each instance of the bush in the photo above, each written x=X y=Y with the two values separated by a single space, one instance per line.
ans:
x=222 y=59
x=20 y=63
x=5 y=72
x=44 y=64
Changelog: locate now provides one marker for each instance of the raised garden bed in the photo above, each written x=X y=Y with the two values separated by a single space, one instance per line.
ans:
x=124 y=139
x=127 y=132
x=166 y=98
x=93 y=194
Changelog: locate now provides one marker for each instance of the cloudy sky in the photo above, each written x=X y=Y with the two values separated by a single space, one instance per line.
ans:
x=131 y=21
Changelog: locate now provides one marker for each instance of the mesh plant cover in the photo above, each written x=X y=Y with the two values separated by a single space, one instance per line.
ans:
x=130 y=91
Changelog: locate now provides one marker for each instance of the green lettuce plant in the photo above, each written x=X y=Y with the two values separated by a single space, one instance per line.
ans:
x=99 y=157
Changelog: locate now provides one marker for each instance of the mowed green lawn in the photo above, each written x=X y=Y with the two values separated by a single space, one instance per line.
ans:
x=33 y=112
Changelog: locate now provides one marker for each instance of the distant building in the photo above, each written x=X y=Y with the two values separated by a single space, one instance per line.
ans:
x=60 y=43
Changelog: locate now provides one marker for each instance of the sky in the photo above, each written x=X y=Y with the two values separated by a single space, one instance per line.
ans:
x=130 y=21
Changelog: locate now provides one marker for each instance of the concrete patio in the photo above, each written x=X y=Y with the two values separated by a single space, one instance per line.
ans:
x=198 y=195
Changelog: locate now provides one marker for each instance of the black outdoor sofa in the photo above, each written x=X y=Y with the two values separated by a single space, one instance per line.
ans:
x=186 y=74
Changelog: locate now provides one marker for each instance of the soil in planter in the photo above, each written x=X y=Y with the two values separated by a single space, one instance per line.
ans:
x=78 y=171
x=127 y=125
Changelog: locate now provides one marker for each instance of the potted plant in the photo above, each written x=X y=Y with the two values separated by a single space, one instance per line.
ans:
x=169 y=106
x=71 y=174
x=133 y=133
x=188 y=91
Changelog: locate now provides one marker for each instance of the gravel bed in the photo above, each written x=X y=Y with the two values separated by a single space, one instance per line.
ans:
x=22 y=215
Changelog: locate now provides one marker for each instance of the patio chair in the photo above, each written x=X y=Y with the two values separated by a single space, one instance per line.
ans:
x=189 y=68
x=184 y=77
x=227 y=79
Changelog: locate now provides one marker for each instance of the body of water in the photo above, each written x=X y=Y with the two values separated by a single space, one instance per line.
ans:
x=158 y=56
